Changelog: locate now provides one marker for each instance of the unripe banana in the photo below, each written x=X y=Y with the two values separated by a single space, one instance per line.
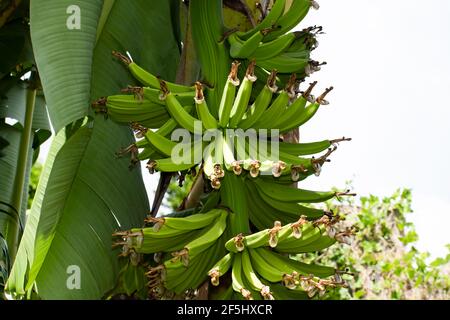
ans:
x=235 y=244
x=220 y=268
x=316 y=242
x=160 y=143
x=263 y=268
x=229 y=159
x=303 y=149
x=268 y=237
x=177 y=112
x=243 y=49
x=192 y=222
x=146 y=78
x=226 y=103
x=205 y=240
x=284 y=63
x=295 y=109
x=291 y=18
x=273 y=112
x=306 y=115
x=146 y=240
x=253 y=279
x=207 y=119
x=297 y=266
x=270 y=117
x=243 y=96
x=275 y=47
x=269 y=20
x=261 y=103
x=288 y=194
x=306 y=40
x=236 y=278
x=168 y=165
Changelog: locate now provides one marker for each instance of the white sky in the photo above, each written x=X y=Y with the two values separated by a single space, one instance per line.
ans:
x=389 y=62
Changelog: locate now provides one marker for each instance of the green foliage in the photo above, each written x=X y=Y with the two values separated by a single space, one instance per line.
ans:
x=384 y=262
x=176 y=193
x=34 y=180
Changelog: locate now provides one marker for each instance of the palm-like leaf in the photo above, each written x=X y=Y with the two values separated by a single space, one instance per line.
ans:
x=85 y=194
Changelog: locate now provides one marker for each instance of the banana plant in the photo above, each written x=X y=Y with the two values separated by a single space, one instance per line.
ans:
x=24 y=126
x=250 y=219
x=85 y=193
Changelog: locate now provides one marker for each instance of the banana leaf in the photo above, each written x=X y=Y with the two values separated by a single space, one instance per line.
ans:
x=85 y=194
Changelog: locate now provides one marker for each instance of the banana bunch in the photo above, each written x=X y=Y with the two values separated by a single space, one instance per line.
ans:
x=229 y=127
x=272 y=45
x=253 y=185
x=190 y=246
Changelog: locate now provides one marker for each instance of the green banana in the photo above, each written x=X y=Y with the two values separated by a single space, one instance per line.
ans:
x=273 y=112
x=243 y=49
x=269 y=20
x=291 y=18
x=207 y=119
x=205 y=240
x=146 y=240
x=243 y=96
x=294 y=110
x=236 y=278
x=303 y=268
x=306 y=40
x=288 y=194
x=303 y=149
x=284 y=63
x=226 y=103
x=306 y=114
x=253 y=279
x=177 y=112
x=168 y=165
x=160 y=143
x=234 y=197
x=154 y=95
x=261 y=103
x=275 y=47
x=220 y=268
x=229 y=159
x=192 y=222
x=316 y=243
x=171 y=124
x=201 y=264
x=269 y=237
x=263 y=268
x=146 y=78
x=126 y=108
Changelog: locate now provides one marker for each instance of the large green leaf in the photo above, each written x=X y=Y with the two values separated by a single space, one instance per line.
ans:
x=10 y=215
x=14 y=106
x=63 y=56
x=88 y=194
x=25 y=254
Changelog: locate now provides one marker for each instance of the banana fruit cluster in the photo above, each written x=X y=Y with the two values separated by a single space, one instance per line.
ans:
x=252 y=219
x=272 y=45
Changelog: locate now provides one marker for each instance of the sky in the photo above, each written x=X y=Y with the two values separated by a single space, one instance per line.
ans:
x=389 y=62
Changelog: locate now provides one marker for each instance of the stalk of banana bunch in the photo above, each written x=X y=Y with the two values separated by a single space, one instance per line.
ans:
x=251 y=220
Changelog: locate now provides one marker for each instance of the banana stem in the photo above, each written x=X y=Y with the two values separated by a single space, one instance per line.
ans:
x=188 y=68
x=193 y=198
x=22 y=163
